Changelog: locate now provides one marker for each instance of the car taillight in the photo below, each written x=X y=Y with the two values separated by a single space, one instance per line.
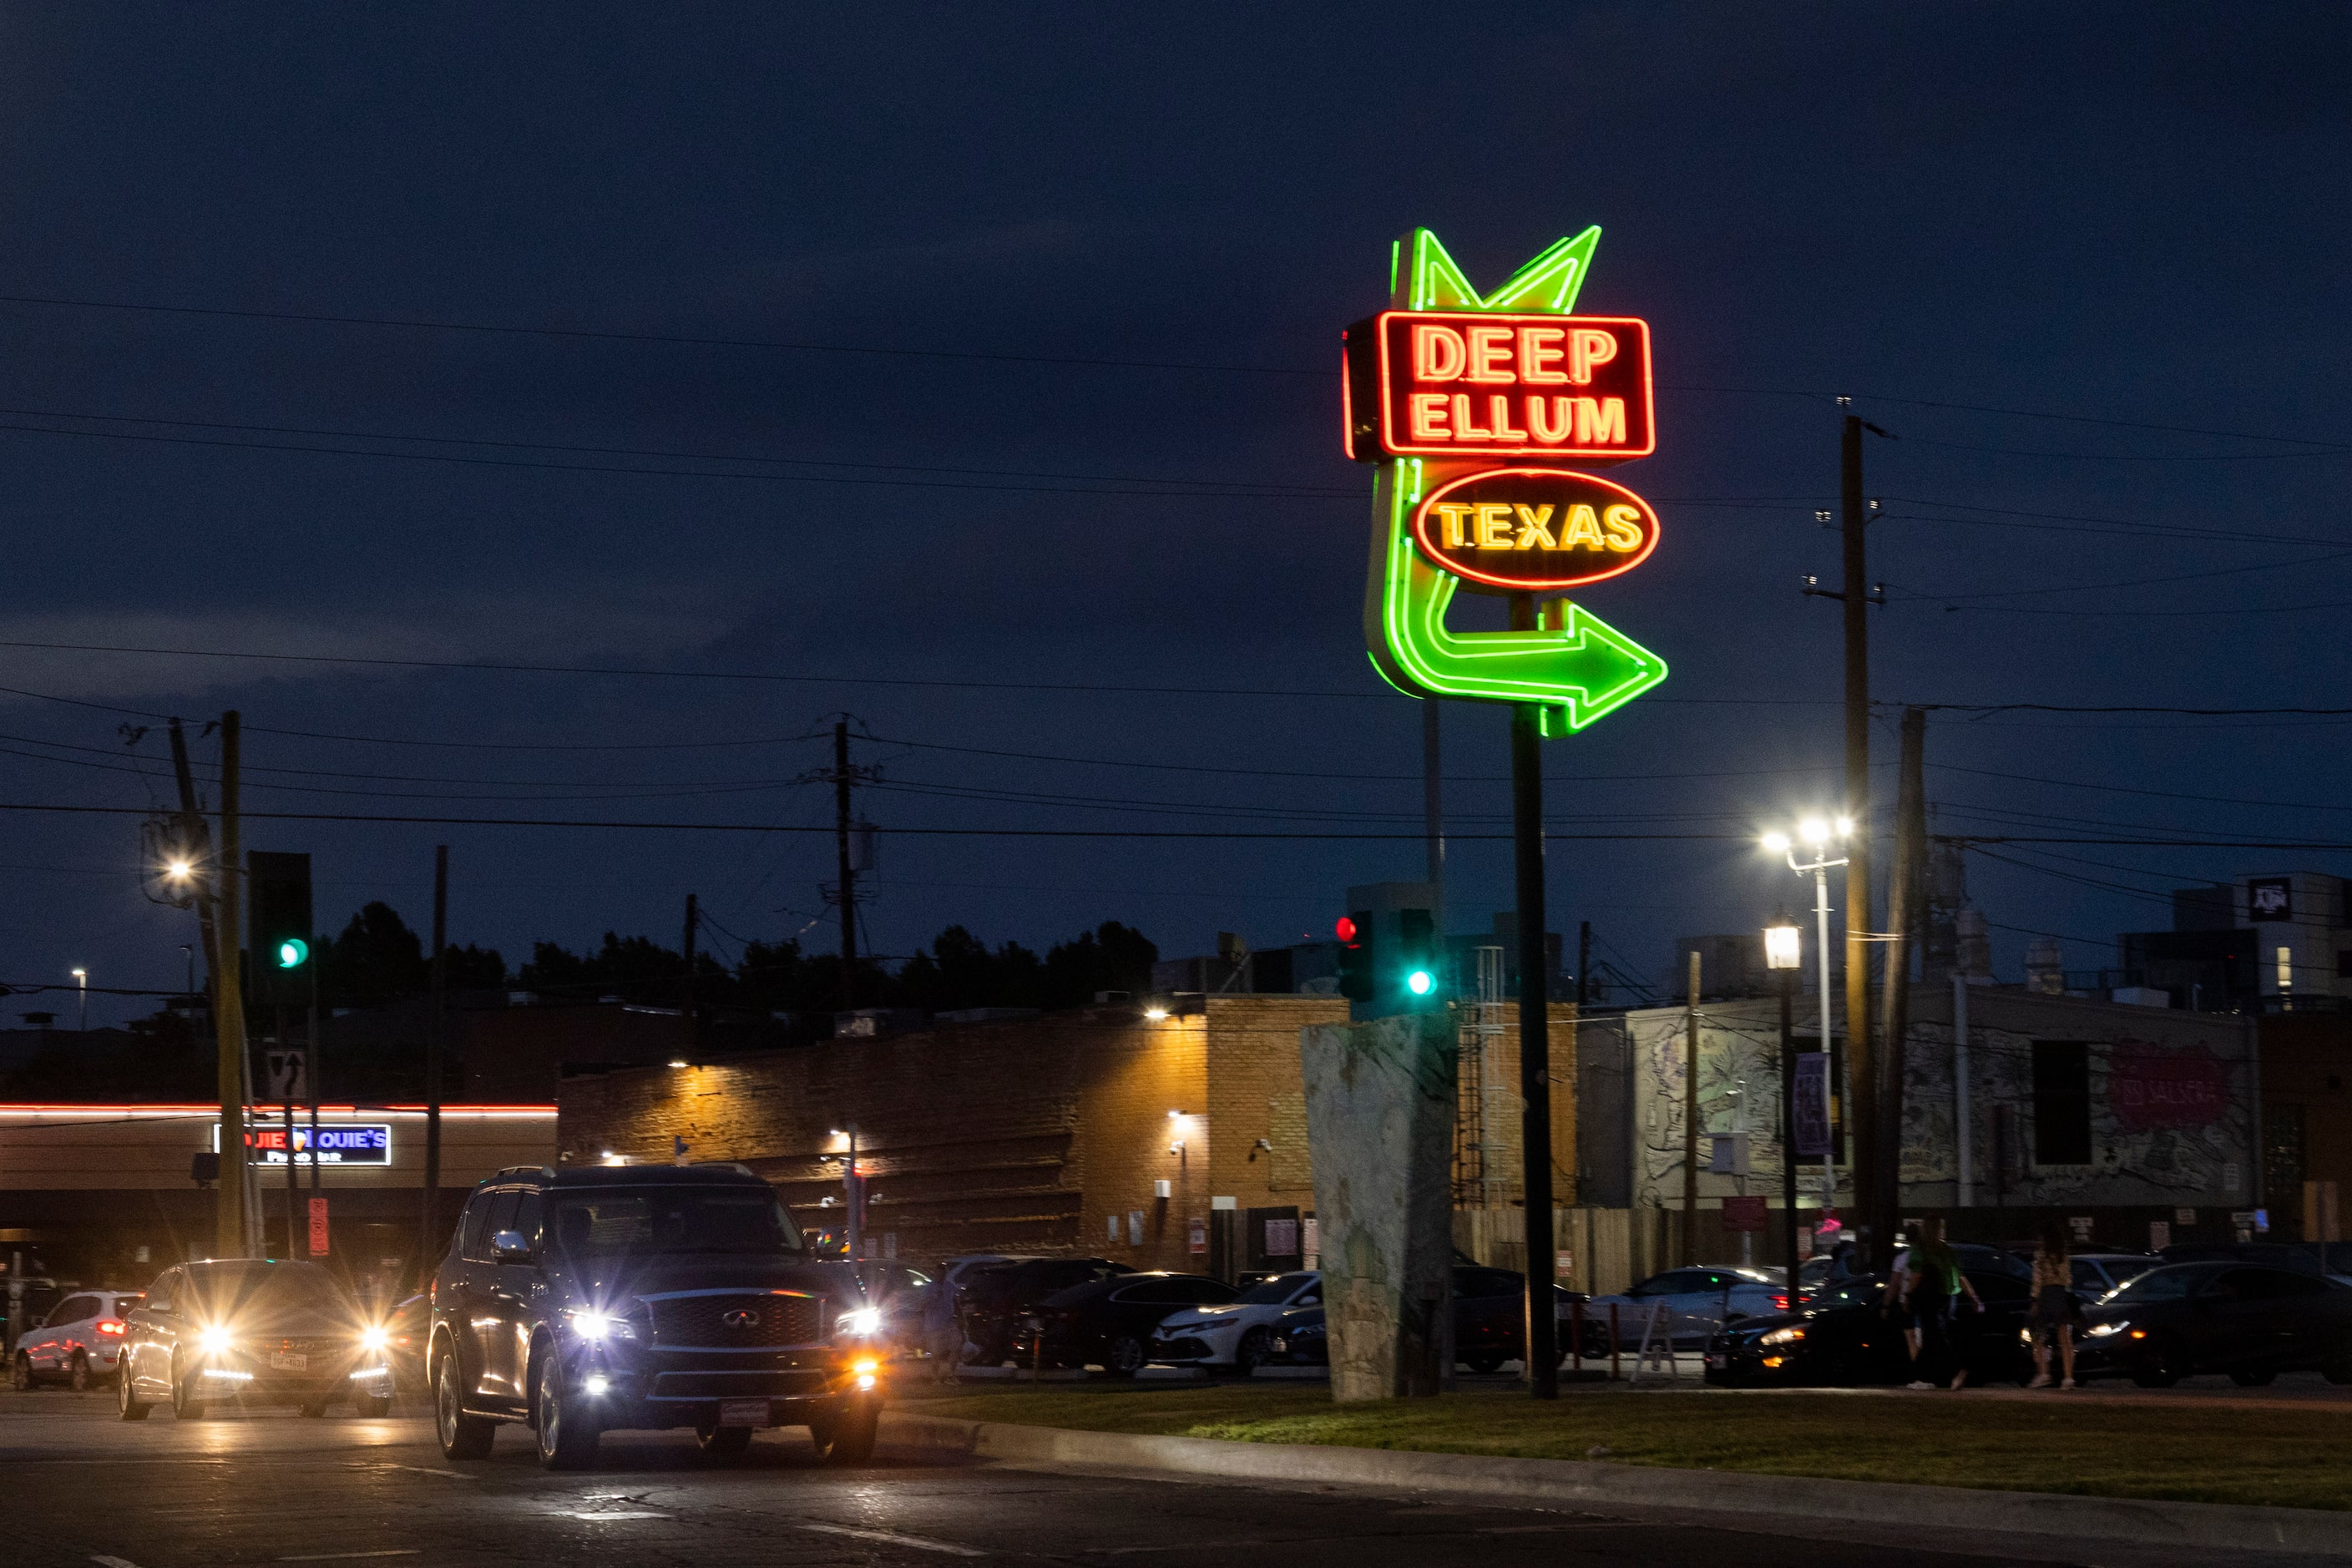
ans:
x=1779 y=1303
x=109 y=1326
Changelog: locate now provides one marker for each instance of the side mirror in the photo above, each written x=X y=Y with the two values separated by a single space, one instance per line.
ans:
x=509 y=1247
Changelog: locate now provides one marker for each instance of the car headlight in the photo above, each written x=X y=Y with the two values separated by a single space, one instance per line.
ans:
x=1784 y=1336
x=2101 y=1331
x=373 y=1339
x=214 y=1340
x=860 y=1322
x=590 y=1323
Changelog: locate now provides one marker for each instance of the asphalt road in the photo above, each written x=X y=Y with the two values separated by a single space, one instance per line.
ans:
x=79 y=1488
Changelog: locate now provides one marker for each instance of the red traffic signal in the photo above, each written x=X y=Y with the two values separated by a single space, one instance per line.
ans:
x=1345 y=930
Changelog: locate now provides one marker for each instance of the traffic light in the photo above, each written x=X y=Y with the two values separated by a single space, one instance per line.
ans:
x=278 y=926
x=1355 y=934
x=1416 y=965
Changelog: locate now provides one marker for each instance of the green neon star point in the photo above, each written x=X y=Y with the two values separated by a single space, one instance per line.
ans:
x=1575 y=668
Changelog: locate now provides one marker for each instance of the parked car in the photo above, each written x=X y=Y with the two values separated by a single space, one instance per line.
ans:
x=1489 y=1323
x=1846 y=1335
x=585 y=1300
x=899 y=1291
x=405 y=1329
x=2248 y=1321
x=1687 y=1305
x=2096 y=1273
x=995 y=1295
x=1237 y=1333
x=77 y=1344
x=240 y=1332
x=1110 y=1323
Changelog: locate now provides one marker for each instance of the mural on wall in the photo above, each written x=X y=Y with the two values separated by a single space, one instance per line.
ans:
x=2169 y=1118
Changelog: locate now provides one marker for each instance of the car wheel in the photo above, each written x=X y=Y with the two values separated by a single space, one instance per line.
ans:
x=849 y=1437
x=1250 y=1355
x=567 y=1426
x=2254 y=1377
x=374 y=1407
x=78 y=1373
x=127 y=1403
x=2162 y=1369
x=724 y=1442
x=20 y=1374
x=1484 y=1363
x=185 y=1405
x=1123 y=1357
x=462 y=1437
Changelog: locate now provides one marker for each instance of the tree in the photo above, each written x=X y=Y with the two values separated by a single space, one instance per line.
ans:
x=376 y=959
x=1111 y=957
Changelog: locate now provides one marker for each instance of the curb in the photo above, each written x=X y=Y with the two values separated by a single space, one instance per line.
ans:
x=2217 y=1526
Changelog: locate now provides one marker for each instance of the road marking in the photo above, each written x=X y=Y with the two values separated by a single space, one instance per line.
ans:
x=446 y=1475
x=113 y=1563
x=350 y=1556
x=918 y=1543
x=614 y=1513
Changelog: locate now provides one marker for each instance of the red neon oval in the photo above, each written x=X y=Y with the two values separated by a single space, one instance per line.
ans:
x=1568 y=489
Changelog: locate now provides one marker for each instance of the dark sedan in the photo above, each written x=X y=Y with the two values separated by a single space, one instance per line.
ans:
x=2247 y=1321
x=994 y=1297
x=1847 y=1335
x=1109 y=1322
x=238 y=1332
x=1489 y=1324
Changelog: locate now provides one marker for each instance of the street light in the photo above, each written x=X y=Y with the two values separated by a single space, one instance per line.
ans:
x=1817 y=832
x=1784 y=955
x=81 y=985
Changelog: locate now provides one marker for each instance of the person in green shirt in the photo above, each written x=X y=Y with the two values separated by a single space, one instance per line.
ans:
x=1932 y=1282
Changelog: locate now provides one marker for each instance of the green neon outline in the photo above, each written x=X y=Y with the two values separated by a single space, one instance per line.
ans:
x=1575 y=668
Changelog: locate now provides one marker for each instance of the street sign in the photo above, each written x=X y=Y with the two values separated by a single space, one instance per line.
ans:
x=1811 y=1111
x=1524 y=529
x=289 y=1074
x=1473 y=383
x=318 y=1228
x=1744 y=1213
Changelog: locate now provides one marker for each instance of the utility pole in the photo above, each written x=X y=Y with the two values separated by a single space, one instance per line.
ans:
x=1690 y=1119
x=848 y=882
x=1861 y=1058
x=230 y=1220
x=428 y=1234
x=693 y=1020
x=1905 y=894
x=1583 y=967
x=1535 y=1034
x=1432 y=805
x=1788 y=1130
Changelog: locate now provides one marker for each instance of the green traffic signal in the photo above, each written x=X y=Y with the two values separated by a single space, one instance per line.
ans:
x=1421 y=983
x=293 y=952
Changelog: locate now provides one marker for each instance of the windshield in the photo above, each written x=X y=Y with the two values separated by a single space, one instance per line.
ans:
x=2126 y=1269
x=1266 y=1292
x=2157 y=1285
x=266 y=1288
x=594 y=1222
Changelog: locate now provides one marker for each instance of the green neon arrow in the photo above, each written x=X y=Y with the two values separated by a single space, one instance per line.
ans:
x=1576 y=668
x=1576 y=665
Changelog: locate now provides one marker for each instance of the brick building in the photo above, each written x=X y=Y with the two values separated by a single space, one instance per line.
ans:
x=1172 y=1142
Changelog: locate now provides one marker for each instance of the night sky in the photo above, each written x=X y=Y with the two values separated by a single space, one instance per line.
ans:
x=2085 y=263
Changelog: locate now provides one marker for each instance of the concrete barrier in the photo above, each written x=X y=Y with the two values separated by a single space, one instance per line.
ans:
x=1604 y=1487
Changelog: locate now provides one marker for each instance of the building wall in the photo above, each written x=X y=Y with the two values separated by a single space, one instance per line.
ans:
x=2307 y=1112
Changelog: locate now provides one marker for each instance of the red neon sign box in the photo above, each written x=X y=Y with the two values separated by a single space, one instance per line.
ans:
x=1448 y=383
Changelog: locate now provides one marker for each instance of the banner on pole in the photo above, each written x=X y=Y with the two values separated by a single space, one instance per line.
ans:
x=1808 y=1111
x=318 y=1228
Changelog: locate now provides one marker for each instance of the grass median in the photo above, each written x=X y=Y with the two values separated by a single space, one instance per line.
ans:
x=2281 y=1456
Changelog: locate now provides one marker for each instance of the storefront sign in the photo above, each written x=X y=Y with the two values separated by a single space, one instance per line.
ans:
x=1535 y=528
x=340 y=1143
x=1452 y=383
x=2150 y=1086
x=318 y=1228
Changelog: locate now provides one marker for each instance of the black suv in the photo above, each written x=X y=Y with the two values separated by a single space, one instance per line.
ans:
x=586 y=1300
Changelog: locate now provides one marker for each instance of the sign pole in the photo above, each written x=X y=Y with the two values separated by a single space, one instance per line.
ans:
x=1788 y=1131
x=1535 y=1034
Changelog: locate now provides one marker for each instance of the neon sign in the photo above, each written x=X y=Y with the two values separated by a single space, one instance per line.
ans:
x=339 y=1144
x=1534 y=529
x=1476 y=408
x=1459 y=384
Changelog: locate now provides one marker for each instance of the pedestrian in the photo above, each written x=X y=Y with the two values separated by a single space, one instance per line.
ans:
x=943 y=1327
x=1932 y=1285
x=2056 y=1309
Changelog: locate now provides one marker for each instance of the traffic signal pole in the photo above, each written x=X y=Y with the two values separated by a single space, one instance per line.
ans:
x=1862 y=1064
x=1534 y=1033
x=429 y=1223
x=229 y=1234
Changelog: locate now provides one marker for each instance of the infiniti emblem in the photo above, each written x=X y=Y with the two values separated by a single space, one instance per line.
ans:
x=740 y=1318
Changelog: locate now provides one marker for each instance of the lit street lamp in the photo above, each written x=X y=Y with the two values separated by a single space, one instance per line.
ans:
x=1784 y=955
x=81 y=987
x=1817 y=832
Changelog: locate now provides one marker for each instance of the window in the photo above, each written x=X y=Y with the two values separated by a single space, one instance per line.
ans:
x=72 y=1309
x=2279 y=1284
x=1266 y=1293
x=1991 y=1287
x=1158 y=1293
x=2087 y=1276
x=473 y=1232
x=497 y=1214
x=2062 y=1103
x=531 y=1218
x=160 y=1293
x=744 y=1221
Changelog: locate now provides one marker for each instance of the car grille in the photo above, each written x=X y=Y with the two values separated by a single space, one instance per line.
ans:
x=749 y=1320
x=298 y=1344
x=1184 y=1349
x=737 y=1385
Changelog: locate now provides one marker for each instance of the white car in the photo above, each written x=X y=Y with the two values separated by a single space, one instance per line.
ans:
x=77 y=1344
x=1238 y=1333
x=1687 y=1305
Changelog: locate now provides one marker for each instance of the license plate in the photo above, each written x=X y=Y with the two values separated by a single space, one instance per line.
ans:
x=290 y=1362
x=742 y=1413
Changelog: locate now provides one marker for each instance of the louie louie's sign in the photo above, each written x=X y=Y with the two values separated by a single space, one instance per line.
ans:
x=1451 y=383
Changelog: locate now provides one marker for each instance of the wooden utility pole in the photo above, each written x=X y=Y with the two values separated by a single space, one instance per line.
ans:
x=1690 y=1119
x=847 y=885
x=1905 y=894
x=1861 y=1059
x=428 y=1234
x=230 y=1237
x=1535 y=1035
